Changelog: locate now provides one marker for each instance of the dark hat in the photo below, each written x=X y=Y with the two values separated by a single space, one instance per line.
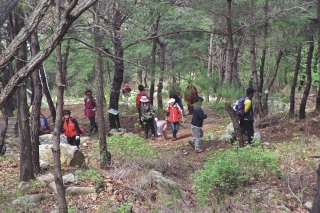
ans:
x=250 y=90
x=65 y=112
x=198 y=99
x=88 y=92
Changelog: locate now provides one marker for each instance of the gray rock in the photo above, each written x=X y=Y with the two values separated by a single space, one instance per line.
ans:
x=166 y=185
x=116 y=132
x=308 y=205
x=44 y=165
x=315 y=120
x=70 y=178
x=210 y=137
x=28 y=199
x=226 y=137
x=73 y=190
x=52 y=185
x=46 y=178
x=230 y=129
x=256 y=137
x=70 y=155
x=22 y=184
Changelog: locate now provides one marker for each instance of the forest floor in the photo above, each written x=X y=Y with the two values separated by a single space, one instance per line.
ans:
x=285 y=195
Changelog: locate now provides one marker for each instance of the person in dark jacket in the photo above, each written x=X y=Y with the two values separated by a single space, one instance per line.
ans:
x=246 y=122
x=138 y=102
x=196 y=125
x=71 y=128
x=90 y=110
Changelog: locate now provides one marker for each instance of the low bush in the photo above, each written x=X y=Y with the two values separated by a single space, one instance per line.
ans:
x=230 y=170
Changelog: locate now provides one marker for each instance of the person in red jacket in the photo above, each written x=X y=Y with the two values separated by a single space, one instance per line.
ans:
x=71 y=129
x=190 y=97
x=90 y=110
x=174 y=113
x=138 y=102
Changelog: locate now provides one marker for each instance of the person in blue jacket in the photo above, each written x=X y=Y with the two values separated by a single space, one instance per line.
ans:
x=196 y=125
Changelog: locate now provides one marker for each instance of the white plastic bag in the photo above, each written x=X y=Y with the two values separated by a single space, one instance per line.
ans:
x=161 y=126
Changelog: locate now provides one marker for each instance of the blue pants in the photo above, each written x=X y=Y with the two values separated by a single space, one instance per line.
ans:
x=175 y=128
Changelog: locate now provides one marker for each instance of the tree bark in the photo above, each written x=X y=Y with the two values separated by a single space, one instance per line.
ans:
x=210 y=55
x=318 y=55
x=154 y=32
x=119 y=18
x=302 y=109
x=105 y=156
x=72 y=13
x=236 y=124
x=36 y=107
x=229 y=59
x=6 y=7
x=316 y=202
x=294 y=82
x=3 y=129
x=162 y=71
x=26 y=168
x=9 y=53
x=276 y=68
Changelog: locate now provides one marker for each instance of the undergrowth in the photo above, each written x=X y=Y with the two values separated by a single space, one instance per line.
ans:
x=229 y=170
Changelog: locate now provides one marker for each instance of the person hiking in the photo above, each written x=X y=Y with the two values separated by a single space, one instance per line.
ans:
x=174 y=113
x=246 y=121
x=126 y=91
x=90 y=111
x=190 y=96
x=44 y=124
x=147 y=115
x=138 y=103
x=71 y=129
x=196 y=125
x=175 y=93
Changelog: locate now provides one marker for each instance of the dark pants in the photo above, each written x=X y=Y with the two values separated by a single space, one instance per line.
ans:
x=93 y=124
x=73 y=142
x=147 y=124
x=141 y=123
x=175 y=128
x=247 y=127
x=190 y=108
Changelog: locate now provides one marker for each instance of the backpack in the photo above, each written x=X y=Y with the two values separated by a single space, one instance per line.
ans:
x=238 y=106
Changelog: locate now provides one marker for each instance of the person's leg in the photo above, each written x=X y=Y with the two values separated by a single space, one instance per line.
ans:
x=153 y=131
x=173 y=129
x=181 y=106
x=250 y=131
x=77 y=142
x=141 y=123
x=146 y=127
x=45 y=118
x=70 y=141
x=176 y=128
x=94 y=123
x=197 y=137
x=42 y=123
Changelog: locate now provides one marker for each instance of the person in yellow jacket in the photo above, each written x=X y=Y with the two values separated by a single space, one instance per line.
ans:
x=246 y=121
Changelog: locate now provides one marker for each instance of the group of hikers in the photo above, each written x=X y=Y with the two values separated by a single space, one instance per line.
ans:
x=147 y=115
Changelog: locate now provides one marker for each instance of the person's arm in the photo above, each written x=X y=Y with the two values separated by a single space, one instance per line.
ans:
x=201 y=114
x=137 y=102
x=247 y=105
x=76 y=124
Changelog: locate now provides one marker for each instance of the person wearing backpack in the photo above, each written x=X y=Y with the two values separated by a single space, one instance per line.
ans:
x=71 y=128
x=147 y=115
x=90 y=111
x=196 y=125
x=174 y=113
x=247 y=119
x=190 y=96
x=138 y=102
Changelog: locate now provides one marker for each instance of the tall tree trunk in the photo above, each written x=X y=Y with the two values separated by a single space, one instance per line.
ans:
x=139 y=80
x=3 y=129
x=46 y=91
x=316 y=202
x=153 y=56
x=210 y=56
x=235 y=74
x=276 y=68
x=318 y=55
x=6 y=7
x=119 y=68
x=60 y=83
x=294 y=81
x=302 y=109
x=26 y=168
x=162 y=68
x=229 y=59
x=105 y=156
x=36 y=107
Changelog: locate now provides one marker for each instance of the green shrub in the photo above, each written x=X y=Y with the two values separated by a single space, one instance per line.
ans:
x=229 y=170
x=129 y=147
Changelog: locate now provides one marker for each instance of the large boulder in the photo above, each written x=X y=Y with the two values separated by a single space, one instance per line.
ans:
x=70 y=155
x=28 y=199
x=166 y=185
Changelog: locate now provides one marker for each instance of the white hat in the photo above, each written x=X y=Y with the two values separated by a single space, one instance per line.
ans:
x=172 y=100
x=144 y=99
